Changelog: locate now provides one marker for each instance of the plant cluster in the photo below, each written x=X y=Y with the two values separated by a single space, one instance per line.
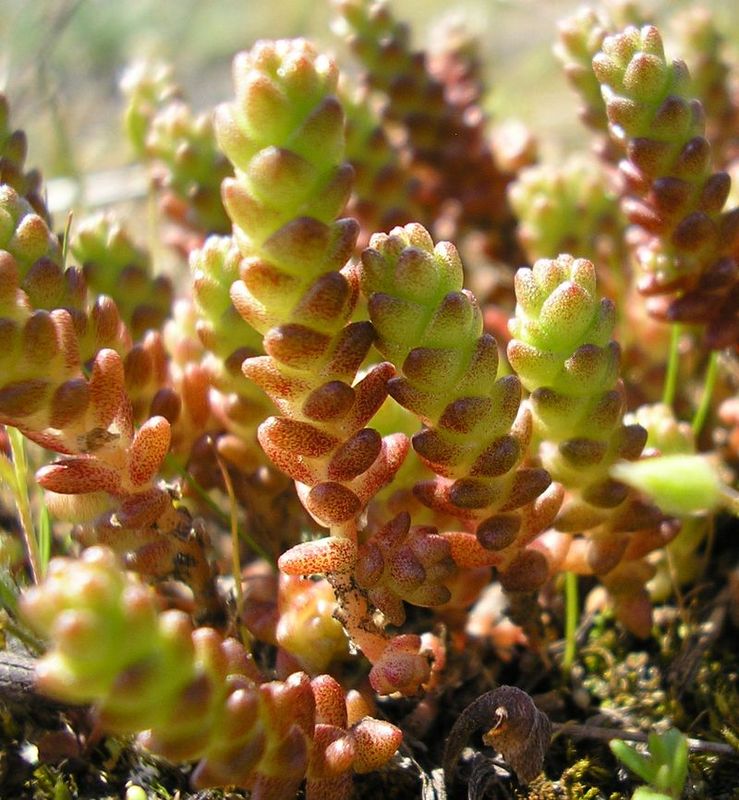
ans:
x=294 y=469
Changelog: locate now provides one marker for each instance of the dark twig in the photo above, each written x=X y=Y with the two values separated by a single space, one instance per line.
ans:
x=608 y=734
x=515 y=728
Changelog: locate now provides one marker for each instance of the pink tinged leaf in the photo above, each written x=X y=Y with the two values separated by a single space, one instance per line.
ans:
x=401 y=668
x=498 y=458
x=249 y=307
x=236 y=766
x=323 y=130
x=376 y=743
x=331 y=199
x=539 y=515
x=416 y=274
x=695 y=232
x=332 y=503
x=441 y=455
x=283 y=459
x=499 y=531
x=40 y=345
x=79 y=475
x=392 y=454
x=138 y=367
x=331 y=756
x=262 y=104
x=467 y=552
x=526 y=573
x=330 y=401
x=566 y=314
x=69 y=402
x=432 y=367
x=582 y=452
x=465 y=414
x=634 y=612
x=355 y=456
x=350 y=348
x=694 y=158
x=279 y=785
x=331 y=554
x=44 y=282
x=473 y=493
x=370 y=565
x=21 y=399
x=148 y=449
x=397 y=321
x=431 y=595
x=265 y=373
x=405 y=570
x=604 y=554
x=297 y=346
x=241 y=713
x=288 y=705
x=370 y=394
x=534 y=366
x=330 y=701
x=457 y=315
x=106 y=322
x=607 y=493
x=143 y=508
x=325 y=302
x=168 y=404
x=256 y=220
x=715 y=192
x=297 y=438
x=425 y=404
x=280 y=177
x=186 y=747
x=436 y=494
x=298 y=246
x=106 y=387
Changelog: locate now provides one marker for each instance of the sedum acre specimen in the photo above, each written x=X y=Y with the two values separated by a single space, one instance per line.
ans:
x=394 y=386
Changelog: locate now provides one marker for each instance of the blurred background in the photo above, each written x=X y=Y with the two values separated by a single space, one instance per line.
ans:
x=61 y=62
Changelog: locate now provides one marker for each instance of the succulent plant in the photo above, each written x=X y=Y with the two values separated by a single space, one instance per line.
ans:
x=291 y=458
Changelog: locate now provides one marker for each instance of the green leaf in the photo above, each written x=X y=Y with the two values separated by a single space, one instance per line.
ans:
x=17 y=444
x=645 y=793
x=636 y=762
x=7 y=472
x=8 y=592
x=678 y=762
x=44 y=537
x=678 y=484
x=662 y=777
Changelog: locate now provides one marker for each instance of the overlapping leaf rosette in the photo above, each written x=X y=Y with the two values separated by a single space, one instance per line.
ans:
x=564 y=355
x=237 y=402
x=114 y=265
x=686 y=248
x=580 y=39
x=192 y=695
x=681 y=561
x=476 y=434
x=13 y=151
x=285 y=136
x=445 y=137
x=187 y=166
x=568 y=208
x=63 y=386
x=703 y=45
x=383 y=194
